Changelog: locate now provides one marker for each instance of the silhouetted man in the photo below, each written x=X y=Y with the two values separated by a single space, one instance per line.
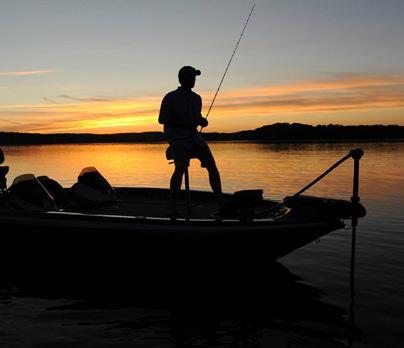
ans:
x=180 y=113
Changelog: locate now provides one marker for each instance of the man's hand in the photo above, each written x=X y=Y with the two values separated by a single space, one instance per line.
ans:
x=203 y=122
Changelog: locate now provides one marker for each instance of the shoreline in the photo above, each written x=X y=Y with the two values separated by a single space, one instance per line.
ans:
x=269 y=141
x=278 y=133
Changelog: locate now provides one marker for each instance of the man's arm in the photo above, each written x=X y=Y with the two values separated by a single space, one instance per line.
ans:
x=166 y=115
x=165 y=110
x=202 y=121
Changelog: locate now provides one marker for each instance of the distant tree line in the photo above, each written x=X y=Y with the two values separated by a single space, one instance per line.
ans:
x=278 y=132
x=297 y=132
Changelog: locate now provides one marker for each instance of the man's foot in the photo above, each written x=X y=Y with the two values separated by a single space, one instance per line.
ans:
x=221 y=202
x=221 y=206
x=173 y=212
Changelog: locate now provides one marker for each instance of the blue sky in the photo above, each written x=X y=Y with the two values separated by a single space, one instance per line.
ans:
x=82 y=52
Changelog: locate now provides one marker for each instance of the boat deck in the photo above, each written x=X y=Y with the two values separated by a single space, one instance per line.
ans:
x=156 y=202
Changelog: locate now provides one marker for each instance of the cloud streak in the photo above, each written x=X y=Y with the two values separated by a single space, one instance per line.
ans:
x=28 y=72
x=344 y=93
x=332 y=96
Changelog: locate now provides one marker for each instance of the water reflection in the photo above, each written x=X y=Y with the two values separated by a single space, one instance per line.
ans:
x=278 y=169
x=256 y=306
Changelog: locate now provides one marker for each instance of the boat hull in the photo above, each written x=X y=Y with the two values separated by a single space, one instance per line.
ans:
x=99 y=245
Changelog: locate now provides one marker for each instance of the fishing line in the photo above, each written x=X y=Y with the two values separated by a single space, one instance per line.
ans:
x=228 y=65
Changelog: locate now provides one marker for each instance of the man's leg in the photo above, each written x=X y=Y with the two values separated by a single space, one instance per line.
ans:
x=207 y=161
x=175 y=185
x=180 y=161
x=214 y=180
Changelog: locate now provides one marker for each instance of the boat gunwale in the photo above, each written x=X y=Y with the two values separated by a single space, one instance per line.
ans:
x=23 y=216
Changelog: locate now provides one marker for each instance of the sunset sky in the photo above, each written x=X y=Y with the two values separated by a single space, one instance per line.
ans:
x=103 y=66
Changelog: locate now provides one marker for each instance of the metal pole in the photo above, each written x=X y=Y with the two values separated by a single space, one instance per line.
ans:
x=356 y=155
x=351 y=317
x=188 y=195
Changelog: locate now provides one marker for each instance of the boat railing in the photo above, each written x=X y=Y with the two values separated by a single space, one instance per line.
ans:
x=356 y=155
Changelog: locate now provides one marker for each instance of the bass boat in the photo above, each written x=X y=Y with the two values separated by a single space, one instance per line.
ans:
x=93 y=223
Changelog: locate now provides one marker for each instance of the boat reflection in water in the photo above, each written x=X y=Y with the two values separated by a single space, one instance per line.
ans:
x=244 y=304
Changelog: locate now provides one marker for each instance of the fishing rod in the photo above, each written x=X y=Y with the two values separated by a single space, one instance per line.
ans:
x=228 y=65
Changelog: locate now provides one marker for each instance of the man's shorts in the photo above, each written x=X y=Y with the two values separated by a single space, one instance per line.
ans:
x=182 y=154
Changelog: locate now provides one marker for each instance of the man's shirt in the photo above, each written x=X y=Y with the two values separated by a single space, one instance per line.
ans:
x=180 y=111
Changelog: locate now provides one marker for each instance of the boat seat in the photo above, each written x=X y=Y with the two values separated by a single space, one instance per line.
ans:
x=170 y=156
x=242 y=204
x=92 y=189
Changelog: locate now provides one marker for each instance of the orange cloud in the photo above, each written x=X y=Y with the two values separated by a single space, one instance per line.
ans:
x=28 y=73
x=344 y=93
x=341 y=94
x=341 y=82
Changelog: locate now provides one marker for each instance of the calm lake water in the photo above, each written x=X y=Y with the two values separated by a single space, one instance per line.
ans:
x=315 y=310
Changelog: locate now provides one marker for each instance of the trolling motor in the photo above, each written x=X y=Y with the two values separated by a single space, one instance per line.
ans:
x=3 y=173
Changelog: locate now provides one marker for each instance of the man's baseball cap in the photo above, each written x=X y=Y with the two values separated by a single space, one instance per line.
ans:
x=188 y=70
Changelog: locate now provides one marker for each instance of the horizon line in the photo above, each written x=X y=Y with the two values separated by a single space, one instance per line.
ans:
x=215 y=132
